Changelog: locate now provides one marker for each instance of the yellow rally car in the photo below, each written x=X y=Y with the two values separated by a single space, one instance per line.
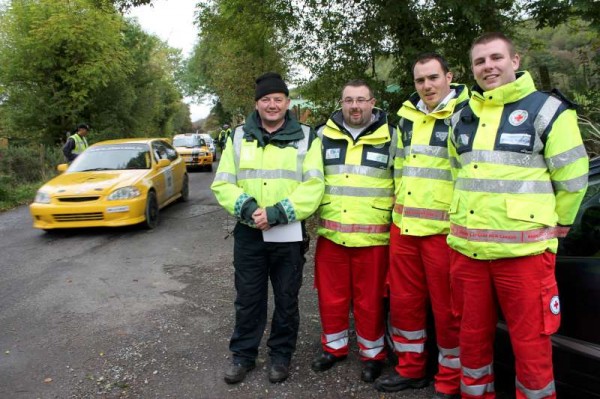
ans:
x=194 y=150
x=112 y=183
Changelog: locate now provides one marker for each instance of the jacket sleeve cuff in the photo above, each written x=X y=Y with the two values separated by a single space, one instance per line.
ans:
x=275 y=215
x=248 y=209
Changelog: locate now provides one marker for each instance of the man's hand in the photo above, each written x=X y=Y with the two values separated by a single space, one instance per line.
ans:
x=260 y=218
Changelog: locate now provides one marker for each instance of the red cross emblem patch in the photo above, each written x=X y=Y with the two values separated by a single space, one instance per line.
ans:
x=555 y=305
x=517 y=117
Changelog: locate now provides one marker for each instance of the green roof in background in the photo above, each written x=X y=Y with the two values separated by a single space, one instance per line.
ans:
x=393 y=88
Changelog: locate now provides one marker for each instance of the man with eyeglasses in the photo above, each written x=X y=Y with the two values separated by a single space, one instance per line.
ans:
x=351 y=259
x=419 y=256
x=270 y=179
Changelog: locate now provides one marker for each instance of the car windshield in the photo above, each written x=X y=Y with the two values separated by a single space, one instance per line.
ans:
x=113 y=157
x=188 y=141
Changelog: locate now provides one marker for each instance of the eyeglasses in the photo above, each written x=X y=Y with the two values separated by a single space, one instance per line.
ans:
x=360 y=101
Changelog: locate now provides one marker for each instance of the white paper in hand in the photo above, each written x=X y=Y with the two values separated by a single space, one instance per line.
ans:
x=284 y=233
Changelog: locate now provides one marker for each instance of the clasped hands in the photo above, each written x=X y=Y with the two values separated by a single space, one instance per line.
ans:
x=260 y=219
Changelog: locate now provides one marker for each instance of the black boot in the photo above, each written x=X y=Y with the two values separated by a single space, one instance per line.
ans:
x=237 y=372
x=325 y=361
x=371 y=370
x=395 y=382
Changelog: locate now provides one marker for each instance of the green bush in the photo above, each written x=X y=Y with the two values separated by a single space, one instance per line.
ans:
x=23 y=169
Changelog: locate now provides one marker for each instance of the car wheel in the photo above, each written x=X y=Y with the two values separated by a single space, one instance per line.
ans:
x=185 y=189
x=209 y=167
x=151 y=211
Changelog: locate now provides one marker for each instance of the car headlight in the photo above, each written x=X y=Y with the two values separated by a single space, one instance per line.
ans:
x=124 y=193
x=42 y=198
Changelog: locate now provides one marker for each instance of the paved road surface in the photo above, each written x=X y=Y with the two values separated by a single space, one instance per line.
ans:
x=131 y=313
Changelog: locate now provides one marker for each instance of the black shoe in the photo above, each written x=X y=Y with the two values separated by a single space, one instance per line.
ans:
x=278 y=373
x=325 y=361
x=395 y=382
x=237 y=372
x=439 y=395
x=371 y=370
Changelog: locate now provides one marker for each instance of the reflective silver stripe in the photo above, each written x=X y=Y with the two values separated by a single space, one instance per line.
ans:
x=359 y=191
x=302 y=148
x=266 y=174
x=505 y=186
x=397 y=173
x=445 y=360
x=412 y=335
x=476 y=390
x=449 y=351
x=421 y=213
x=372 y=348
x=393 y=145
x=545 y=115
x=571 y=186
x=358 y=170
x=438 y=152
x=566 y=158
x=504 y=158
x=417 y=348
x=505 y=236
x=309 y=174
x=478 y=373
x=226 y=177
x=406 y=151
x=427 y=173
x=337 y=340
x=320 y=132
x=238 y=135
x=536 y=393
x=401 y=151
x=355 y=228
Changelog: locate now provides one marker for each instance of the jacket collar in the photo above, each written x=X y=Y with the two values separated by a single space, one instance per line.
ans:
x=290 y=131
x=508 y=93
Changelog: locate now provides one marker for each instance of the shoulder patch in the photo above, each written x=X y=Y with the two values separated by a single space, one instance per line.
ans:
x=558 y=94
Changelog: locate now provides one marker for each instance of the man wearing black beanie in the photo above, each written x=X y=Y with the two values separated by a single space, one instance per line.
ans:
x=270 y=179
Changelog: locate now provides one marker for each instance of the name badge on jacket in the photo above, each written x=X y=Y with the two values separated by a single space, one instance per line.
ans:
x=332 y=153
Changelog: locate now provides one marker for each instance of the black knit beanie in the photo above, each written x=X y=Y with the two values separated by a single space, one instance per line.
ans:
x=268 y=83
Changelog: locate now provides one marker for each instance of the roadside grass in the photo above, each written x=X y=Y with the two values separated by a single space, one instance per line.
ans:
x=19 y=194
x=23 y=169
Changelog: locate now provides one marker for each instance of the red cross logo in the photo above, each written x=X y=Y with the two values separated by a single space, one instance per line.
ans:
x=555 y=305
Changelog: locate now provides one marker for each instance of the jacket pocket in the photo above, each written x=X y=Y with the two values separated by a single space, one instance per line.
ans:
x=531 y=211
x=454 y=204
x=383 y=204
x=326 y=200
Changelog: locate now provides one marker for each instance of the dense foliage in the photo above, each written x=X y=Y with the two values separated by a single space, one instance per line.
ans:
x=64 y=62
x=338 y=40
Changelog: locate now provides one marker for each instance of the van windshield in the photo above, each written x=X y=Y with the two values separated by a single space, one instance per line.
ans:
x=188 y=141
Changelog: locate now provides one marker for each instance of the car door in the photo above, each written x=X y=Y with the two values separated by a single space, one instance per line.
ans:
x=177 y=169
x=162 y=178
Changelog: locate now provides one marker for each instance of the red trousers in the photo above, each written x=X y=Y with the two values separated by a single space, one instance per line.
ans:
x=525 y=288
x=420 y=272
x=345 y=277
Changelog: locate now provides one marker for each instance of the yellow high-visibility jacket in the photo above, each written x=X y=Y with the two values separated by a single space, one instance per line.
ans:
x=423 y=181
x=520 y=169
x=282 y=172
x=359 y=186
x=81 y=144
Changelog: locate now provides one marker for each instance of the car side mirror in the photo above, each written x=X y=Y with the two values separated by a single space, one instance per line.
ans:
x=62 y=167
x=163 y=162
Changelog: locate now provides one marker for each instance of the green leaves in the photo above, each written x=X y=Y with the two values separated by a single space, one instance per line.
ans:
x=79 y=60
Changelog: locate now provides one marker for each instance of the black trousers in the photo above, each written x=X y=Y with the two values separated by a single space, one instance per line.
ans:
x=255 y=262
